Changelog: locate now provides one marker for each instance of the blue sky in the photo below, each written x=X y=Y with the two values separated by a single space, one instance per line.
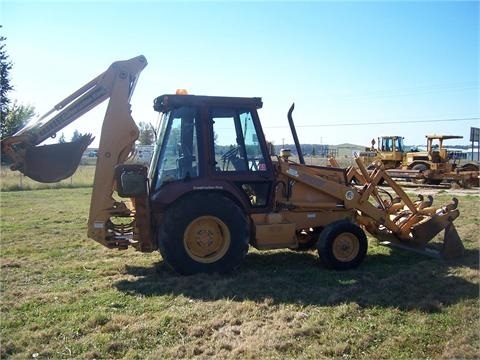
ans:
x=355 y=70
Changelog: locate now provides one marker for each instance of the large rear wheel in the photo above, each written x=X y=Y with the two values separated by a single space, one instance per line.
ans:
x=342 y=245
x=204 y=233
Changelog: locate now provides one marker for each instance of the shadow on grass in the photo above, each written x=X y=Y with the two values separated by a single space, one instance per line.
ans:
x=400 y=279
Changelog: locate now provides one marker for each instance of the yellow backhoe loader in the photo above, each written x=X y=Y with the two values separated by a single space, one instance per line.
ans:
x=213 y=189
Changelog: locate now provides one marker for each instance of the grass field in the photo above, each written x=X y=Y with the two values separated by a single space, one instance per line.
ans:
x=64 y=296
x=83 y=176
x=14 y=180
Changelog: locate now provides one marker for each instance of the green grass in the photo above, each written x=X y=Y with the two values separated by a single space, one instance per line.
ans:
x=83 y=177
x=16 y=181
x=64 y=296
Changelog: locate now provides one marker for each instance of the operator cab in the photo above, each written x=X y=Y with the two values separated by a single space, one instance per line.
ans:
x=391 y=143
x=211 y=143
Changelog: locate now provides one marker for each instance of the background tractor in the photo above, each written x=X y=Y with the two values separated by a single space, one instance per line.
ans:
x=435 y=165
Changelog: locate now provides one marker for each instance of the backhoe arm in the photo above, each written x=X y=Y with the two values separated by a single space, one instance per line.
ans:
x=52 y=163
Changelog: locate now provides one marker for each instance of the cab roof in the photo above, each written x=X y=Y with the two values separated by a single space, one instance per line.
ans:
x=167 y=102
x=443 y=137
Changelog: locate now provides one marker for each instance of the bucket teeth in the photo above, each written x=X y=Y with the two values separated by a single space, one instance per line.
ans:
x=425 y=203
x=452 y=206
x=425 y=223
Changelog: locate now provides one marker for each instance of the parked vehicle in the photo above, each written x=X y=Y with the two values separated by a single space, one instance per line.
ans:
x=433 y=166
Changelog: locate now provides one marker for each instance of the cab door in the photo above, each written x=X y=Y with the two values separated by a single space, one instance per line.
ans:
x=240 y=155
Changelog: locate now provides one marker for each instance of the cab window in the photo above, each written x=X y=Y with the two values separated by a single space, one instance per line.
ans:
x=178 y=155
x=236 y=146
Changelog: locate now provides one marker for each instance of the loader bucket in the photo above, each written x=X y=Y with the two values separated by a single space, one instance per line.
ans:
x=452 y=244
x=425 y=230
x=52 y=163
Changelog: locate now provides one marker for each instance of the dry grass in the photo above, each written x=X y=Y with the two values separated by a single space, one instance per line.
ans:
x=14 y=180
x=83 y=177
x=64 y=296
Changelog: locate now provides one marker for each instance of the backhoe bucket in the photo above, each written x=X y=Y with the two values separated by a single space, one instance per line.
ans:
x=52 y=163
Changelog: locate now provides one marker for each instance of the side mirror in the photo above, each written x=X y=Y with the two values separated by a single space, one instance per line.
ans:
x=131 y=180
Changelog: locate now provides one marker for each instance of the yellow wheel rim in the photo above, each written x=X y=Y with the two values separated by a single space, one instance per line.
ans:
x=206 y=239
x=345 y=247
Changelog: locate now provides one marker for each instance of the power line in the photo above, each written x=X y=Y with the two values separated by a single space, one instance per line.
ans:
x=409 y=91
x=378 y=123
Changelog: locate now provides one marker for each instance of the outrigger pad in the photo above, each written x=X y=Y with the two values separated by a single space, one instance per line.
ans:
x=52 y=163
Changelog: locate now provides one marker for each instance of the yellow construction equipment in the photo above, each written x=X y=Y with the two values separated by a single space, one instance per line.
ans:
x=213 y=189
x=433 y=166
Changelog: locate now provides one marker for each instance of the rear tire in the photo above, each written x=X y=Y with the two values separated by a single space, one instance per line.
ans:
x=342 y=245
x=204 y=233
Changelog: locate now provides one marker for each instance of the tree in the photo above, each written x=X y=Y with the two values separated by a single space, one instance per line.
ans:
x=5 y=86
x=76 y=136
x=12 y=117
x=147 y=134
x=15 y=117
x=61 y=139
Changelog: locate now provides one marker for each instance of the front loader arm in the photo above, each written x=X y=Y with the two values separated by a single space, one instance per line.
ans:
x=394 y=219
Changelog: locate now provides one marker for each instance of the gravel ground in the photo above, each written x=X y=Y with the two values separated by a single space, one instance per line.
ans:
x=427 y=190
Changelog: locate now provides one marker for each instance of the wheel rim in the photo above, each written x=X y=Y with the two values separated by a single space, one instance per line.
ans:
x=206 y=239
x=346 y=247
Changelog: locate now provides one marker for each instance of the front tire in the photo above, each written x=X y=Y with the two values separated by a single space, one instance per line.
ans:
x=204 y=233
x=342 y=245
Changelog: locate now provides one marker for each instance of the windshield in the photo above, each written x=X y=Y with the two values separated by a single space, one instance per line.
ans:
x=392 y=144
x=160 y=130
x=399 y=144
x=177 y=151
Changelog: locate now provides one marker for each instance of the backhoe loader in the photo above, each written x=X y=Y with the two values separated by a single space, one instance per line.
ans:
x=213 y=189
